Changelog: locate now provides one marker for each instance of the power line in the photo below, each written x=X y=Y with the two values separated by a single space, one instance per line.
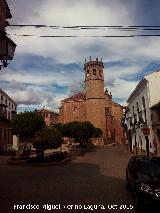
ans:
x=138 y=29
x=83 y=26
x=70 y=36
x=91 y=36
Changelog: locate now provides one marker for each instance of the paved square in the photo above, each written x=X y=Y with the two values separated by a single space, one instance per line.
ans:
x=98 y=178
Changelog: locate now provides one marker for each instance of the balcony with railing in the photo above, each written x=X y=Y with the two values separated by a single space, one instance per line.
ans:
x=141 y=117
x=129 y=122
x=135 y=120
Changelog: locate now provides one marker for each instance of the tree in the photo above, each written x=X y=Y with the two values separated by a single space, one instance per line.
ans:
x=61 y=127
x=86 y=130
x=26 y=124
x=72 y=130
x=47 y=138
x=97 y=133
x=80 y=131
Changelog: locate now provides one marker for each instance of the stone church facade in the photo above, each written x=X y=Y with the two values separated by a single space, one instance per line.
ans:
x=94 y=105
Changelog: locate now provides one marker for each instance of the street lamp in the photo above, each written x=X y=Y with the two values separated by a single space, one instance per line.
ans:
x=7 y=49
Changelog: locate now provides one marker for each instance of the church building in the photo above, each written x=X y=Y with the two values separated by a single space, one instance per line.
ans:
x=94 y=105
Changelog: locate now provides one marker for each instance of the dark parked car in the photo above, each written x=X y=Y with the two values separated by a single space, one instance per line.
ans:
x=143 y=179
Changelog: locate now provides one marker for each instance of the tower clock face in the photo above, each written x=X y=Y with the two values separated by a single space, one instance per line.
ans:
x=100 y=73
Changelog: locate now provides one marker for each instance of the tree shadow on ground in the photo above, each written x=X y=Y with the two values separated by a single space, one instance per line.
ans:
x=70 y=184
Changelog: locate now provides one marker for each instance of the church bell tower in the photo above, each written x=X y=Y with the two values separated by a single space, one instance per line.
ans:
x=94 y=85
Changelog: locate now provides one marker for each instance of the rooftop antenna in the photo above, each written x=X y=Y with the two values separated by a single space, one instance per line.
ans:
x=90 y=58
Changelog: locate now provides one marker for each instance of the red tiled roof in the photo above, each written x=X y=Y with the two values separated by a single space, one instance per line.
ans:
x=76 y=97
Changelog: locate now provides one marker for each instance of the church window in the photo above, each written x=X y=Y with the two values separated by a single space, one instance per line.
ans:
x=94 y=71
x=87 y=72
x=100 y=73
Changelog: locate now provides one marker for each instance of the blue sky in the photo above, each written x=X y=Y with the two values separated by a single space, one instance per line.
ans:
x=47 y=70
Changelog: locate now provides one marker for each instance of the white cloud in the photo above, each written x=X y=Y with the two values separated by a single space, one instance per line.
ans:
x=61 y=78
x=117 y=72
x=26 y=97
x=36 y=97
x=123 y=88
x=82 y=13
x=65 y=13
x=69 y=12
x=138 y=52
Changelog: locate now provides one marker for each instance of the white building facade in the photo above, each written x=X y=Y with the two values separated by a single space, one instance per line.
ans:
x=139 y=113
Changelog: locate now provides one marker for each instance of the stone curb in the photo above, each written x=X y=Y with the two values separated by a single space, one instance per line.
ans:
x=23 y=163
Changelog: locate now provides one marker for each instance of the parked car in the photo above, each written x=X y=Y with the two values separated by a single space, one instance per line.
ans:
x=143 y=179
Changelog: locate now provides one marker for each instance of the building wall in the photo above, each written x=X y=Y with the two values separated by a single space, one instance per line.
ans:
x=95 y=103
x=114 y=114
x=10 y=107
x=61 y=114
x=96 y=114
x=156 y=127
x=95 y=89
x=72 y=111
x=76 y=111
x=138 y=137
x=117 y=111
x=96 y=106
x=50 y=117
x=5 y=136
x=7 y=111
x=153 y=87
